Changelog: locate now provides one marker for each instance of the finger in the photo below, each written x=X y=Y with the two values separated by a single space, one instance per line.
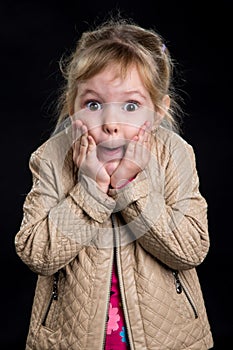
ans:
x=83 y=140
x=91 y=144
x=80 y=147
x=141 y=132
x=144 y=131
x=146 y=149
x=80 y=154
x=76 y=135
x=76 y=129
x=146 y=137
x=143 y=145
x=130 y=150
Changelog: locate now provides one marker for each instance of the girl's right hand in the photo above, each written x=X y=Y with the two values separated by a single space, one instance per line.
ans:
x=85 y=157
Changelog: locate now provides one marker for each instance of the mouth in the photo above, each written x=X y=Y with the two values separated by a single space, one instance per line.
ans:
x=109 y=153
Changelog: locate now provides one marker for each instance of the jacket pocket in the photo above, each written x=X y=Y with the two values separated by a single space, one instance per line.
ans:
x=51 y=312
x=180 y=288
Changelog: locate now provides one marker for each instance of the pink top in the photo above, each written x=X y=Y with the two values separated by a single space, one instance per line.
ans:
x=116 y=337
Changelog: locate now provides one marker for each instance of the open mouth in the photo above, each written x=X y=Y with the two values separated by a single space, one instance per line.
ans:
x=107 y=154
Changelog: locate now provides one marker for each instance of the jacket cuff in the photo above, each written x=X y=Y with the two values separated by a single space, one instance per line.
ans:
x=133 y=191
x=97 y=204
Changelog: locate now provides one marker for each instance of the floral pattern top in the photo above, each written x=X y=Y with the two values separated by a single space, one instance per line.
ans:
x=116 y=337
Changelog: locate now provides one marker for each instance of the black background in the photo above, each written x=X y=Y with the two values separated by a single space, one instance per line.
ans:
x=34 y=35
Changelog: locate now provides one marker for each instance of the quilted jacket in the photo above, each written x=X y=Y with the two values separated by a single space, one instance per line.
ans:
x=156 y=229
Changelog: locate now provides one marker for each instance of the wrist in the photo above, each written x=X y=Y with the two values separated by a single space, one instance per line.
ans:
x=122 y=183
x=103 y=187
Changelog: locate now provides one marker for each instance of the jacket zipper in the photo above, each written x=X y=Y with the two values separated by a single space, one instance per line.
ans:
x=180 y=287
x=122 y=295
x=54 y=296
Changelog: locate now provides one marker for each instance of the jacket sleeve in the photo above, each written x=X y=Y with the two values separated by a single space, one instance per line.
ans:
x=55 y=228
x=166 y=211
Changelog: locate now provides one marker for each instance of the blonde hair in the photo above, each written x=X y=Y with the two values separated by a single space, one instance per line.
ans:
x=123 y=43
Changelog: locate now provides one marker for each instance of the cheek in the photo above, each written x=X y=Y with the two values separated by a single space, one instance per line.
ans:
x=91 y=123
x=94 y=131
x=136 y=123
x=130 y=130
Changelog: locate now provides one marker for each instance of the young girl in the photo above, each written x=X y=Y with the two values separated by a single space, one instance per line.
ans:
x=114 y=224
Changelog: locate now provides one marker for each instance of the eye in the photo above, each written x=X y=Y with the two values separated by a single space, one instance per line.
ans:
x=94 y=106
x=130 y=106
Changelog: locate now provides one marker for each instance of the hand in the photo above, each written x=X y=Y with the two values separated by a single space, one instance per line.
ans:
x=85 y=157
x=136 y=157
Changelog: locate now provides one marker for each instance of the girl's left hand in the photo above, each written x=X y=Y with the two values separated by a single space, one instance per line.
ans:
x=136 y=157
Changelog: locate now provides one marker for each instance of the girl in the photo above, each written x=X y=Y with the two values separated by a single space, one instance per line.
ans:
x=114 y=224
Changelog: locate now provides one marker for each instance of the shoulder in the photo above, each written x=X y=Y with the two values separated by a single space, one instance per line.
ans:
x=170 y=142
x=170 y=138
x=52 y=162
x=55 y=148
x=170 y=146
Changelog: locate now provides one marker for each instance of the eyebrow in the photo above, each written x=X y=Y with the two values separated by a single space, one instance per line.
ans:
x=89 y=91
x=135 y=92
x=129 y=92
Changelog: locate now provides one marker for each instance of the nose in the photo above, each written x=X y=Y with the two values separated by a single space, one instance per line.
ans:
x=111 y=128
x=110 y=124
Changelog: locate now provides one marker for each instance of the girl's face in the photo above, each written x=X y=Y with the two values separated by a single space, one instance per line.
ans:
x=113 y=110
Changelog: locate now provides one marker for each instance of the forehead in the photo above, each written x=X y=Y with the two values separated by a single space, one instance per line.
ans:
x=114 y=78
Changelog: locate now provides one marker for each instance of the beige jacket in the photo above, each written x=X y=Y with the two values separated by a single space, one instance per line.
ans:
x=157 y=225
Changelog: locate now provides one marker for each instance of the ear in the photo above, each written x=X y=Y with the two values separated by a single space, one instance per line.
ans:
x=71 y=112
x=165 y=106
x=166 y=101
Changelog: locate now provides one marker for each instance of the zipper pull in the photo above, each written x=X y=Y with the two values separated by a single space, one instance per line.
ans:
x=177 y=282
x=55 y=287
